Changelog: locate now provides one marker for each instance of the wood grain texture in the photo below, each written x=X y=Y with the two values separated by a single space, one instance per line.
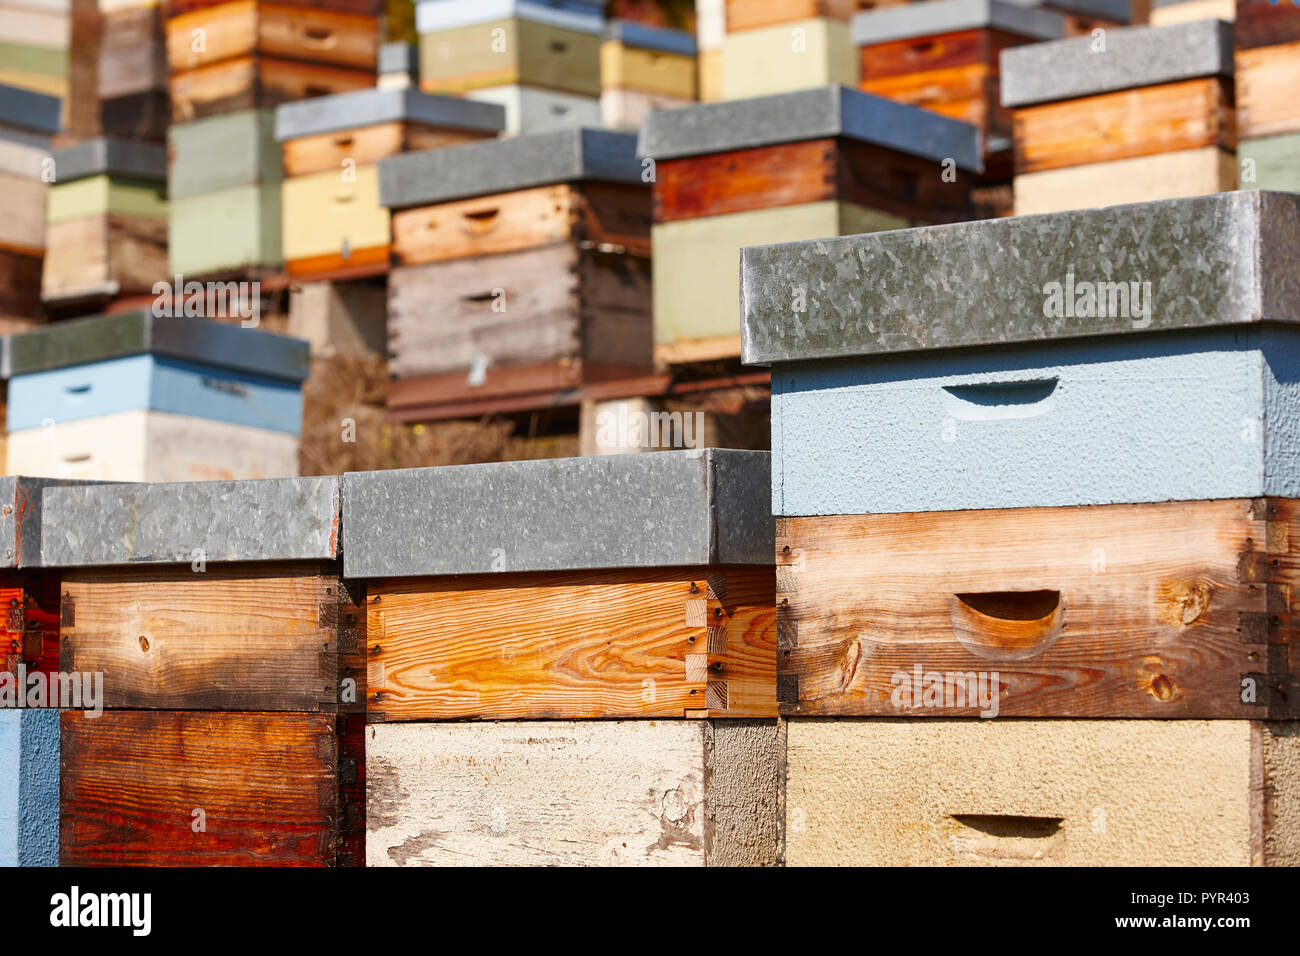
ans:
x=258 y=82
x=263 y=637
x=20 y=283
x=228 y=30
x=1267 y=80
x=654 y=642
x=1140 y=122
x=1152 y=611
x=602 y=214
x=967 y=93
x=937 y=51
x=591 y=793
x=274 y=789
x=368 y=144
x=1264 y=23
x=121 y=252
x=790 y=174
x=752 y=14
x=556 y=303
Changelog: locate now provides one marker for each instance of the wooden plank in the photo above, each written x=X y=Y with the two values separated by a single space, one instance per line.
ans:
x=1156 y=610
x=168 y=788
x=1265 y=23
x=966 y=93
x=752 y=14
x=229 y=30
x=937 y=51
x=23 y=222
x=623 y=643
x=606 y=214
x=262 y=637
x=791 y=174
x=647 y=71
x=1267 y=78
x=94 y=252
x=502 y=52
x=1154 y=119
x=20 y=283
x=594 y=793
x=358 y=264
x=370 y=8
x=256 y=83
x=368 y=144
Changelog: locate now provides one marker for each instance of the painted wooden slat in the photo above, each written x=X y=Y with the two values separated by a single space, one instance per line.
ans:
x=327 y=213
x=1265 y=77
x=244 y=27
x=648 y=71
x=465 y=58
x=225 y=230
x=1274 y=163
x=257 y=82
x=533 y=109
x=791 y=56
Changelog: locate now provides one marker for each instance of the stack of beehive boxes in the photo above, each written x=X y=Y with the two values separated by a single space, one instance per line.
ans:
x=942 y=55
x=773 y=47
x=1268 y=75
x=521 y=272
x=231 y=656
x=642 y=69
x=27 y=122
x=599 y=631
x=540 y=60
x=29 y=709
x=1148 y=115
x=117 y=75
x=136 y=397
x=231 y=64
x=1038 y=468
x=34 y=37
x=823 y=162
x=106 y=231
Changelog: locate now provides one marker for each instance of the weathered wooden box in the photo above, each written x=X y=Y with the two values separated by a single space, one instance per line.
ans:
x=635 y=793
x=233 y=232
x=333 y=219
x=660 y=606
x=832 y=161
x=944 y=55
x=470 y=44
x=799 y=55
x=27 y=121
x=203 y=788
x=117 y=71
x=257 y=82
x=1154 y=119
x=241 y=28
x=1265 y=23
x=1266 y=77
x=137 y=397
x=940 y=369
x=1041 y=793
x=1166 y=610
x=522 y=269
x=644 y=68
x=107 y=222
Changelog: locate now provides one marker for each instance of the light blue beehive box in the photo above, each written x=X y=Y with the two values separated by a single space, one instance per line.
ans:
x=938 y=369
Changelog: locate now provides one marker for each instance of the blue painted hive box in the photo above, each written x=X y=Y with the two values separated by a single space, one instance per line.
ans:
x=1130 y=354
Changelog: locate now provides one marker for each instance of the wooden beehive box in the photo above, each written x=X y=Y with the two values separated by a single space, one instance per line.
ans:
x=826 y=162
x=644 y=68
x=107 y=222
x=632 y=586
x=117 y=73
x=784 y=57
x=135 y=397
x=1267 y=71
x=334 y=223
x=1154 y=120
x=521 y=270
x=1047 y=793
x=943 y=56
x=27 y=121
x=494 y=43
x=232 y=651
x=885 y=367
x=1264 y=23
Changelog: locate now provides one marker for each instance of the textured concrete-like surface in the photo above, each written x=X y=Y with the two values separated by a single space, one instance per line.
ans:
x=283 y=519
x=808 y=114
x=742 y=792
x=1133 y=57
x=536 y=793
x=101 y=337
x=121 y=158
x=325 y=114
x=1025 y=792
x=947 y=16
x=498 y=166
x=1175 y=417
x=1211 y=260
x=671 y=508
x=1279 y=770
x=29 y=788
